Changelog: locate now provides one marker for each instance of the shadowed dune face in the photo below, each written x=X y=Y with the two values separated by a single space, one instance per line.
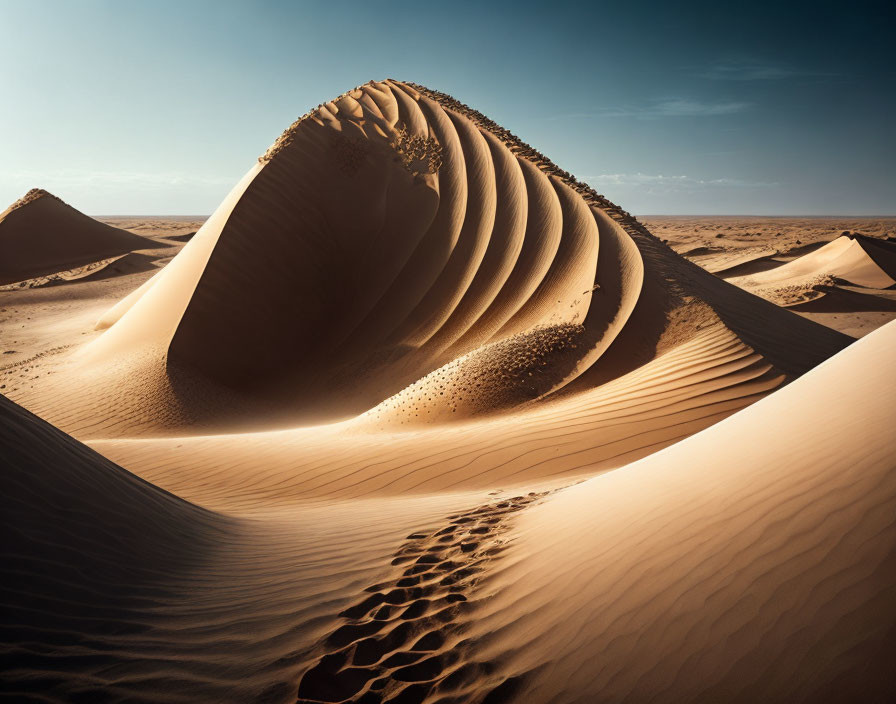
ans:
x=87 y=547
x=396 y=246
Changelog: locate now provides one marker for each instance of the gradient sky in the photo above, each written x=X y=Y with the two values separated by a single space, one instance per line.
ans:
x=125 y=107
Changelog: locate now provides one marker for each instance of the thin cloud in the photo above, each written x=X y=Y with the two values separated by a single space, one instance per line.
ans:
x=659 y=183
x=78 y=177
x=669 y=108
x=756 y=71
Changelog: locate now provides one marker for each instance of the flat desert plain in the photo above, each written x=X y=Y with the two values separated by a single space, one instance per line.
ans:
x=416 y=416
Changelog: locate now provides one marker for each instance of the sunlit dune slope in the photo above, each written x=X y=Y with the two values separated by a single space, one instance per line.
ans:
x=40 y=235
x=755 y=561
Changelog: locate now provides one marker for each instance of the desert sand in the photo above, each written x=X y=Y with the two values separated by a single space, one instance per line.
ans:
x=416 y=416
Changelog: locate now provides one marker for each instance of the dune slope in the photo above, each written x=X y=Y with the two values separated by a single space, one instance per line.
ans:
x=88 y=550
x=751 y=562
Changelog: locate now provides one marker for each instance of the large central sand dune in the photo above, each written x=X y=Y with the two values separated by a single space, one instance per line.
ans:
x=353 y=444
x=397 y=254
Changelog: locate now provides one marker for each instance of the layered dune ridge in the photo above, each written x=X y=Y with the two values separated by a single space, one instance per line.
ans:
x=42 y=235
x=418 y=417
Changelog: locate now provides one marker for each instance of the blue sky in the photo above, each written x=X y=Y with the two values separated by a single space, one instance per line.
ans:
x=159 y=107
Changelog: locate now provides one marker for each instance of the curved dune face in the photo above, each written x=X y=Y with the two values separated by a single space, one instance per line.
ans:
x=829 y=276
x=384 y=237
x=398 y=256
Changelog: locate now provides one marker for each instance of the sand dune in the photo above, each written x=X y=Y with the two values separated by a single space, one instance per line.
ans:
x=740 y=249
x=41 y=235
x=417 y=259
x=122 y=265
x=724 y=568
x=418 y=417
x=88 y=549
x=842 y=283
x=845 y=258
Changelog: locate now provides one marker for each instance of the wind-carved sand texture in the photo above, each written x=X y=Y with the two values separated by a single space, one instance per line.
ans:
x=371 y=277
x=418 y=153
x=416 y=416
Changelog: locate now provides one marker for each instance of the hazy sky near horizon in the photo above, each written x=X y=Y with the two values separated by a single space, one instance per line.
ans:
x=126 y=107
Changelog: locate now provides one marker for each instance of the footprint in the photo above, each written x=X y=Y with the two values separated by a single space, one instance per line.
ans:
x=392 y=646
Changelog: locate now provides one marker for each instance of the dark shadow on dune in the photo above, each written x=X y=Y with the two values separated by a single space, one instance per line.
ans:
x=881 y=252
x=847 y=300
x=88 y=550
x=757 y=266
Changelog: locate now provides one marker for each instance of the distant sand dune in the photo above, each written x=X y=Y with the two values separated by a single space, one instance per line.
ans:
x=41 y=235
x=860 y=261
x=122 y=265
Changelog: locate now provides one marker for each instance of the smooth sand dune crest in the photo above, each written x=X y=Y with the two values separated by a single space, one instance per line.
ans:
x=159 y=307
x=391 y=243
x=41 y=235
